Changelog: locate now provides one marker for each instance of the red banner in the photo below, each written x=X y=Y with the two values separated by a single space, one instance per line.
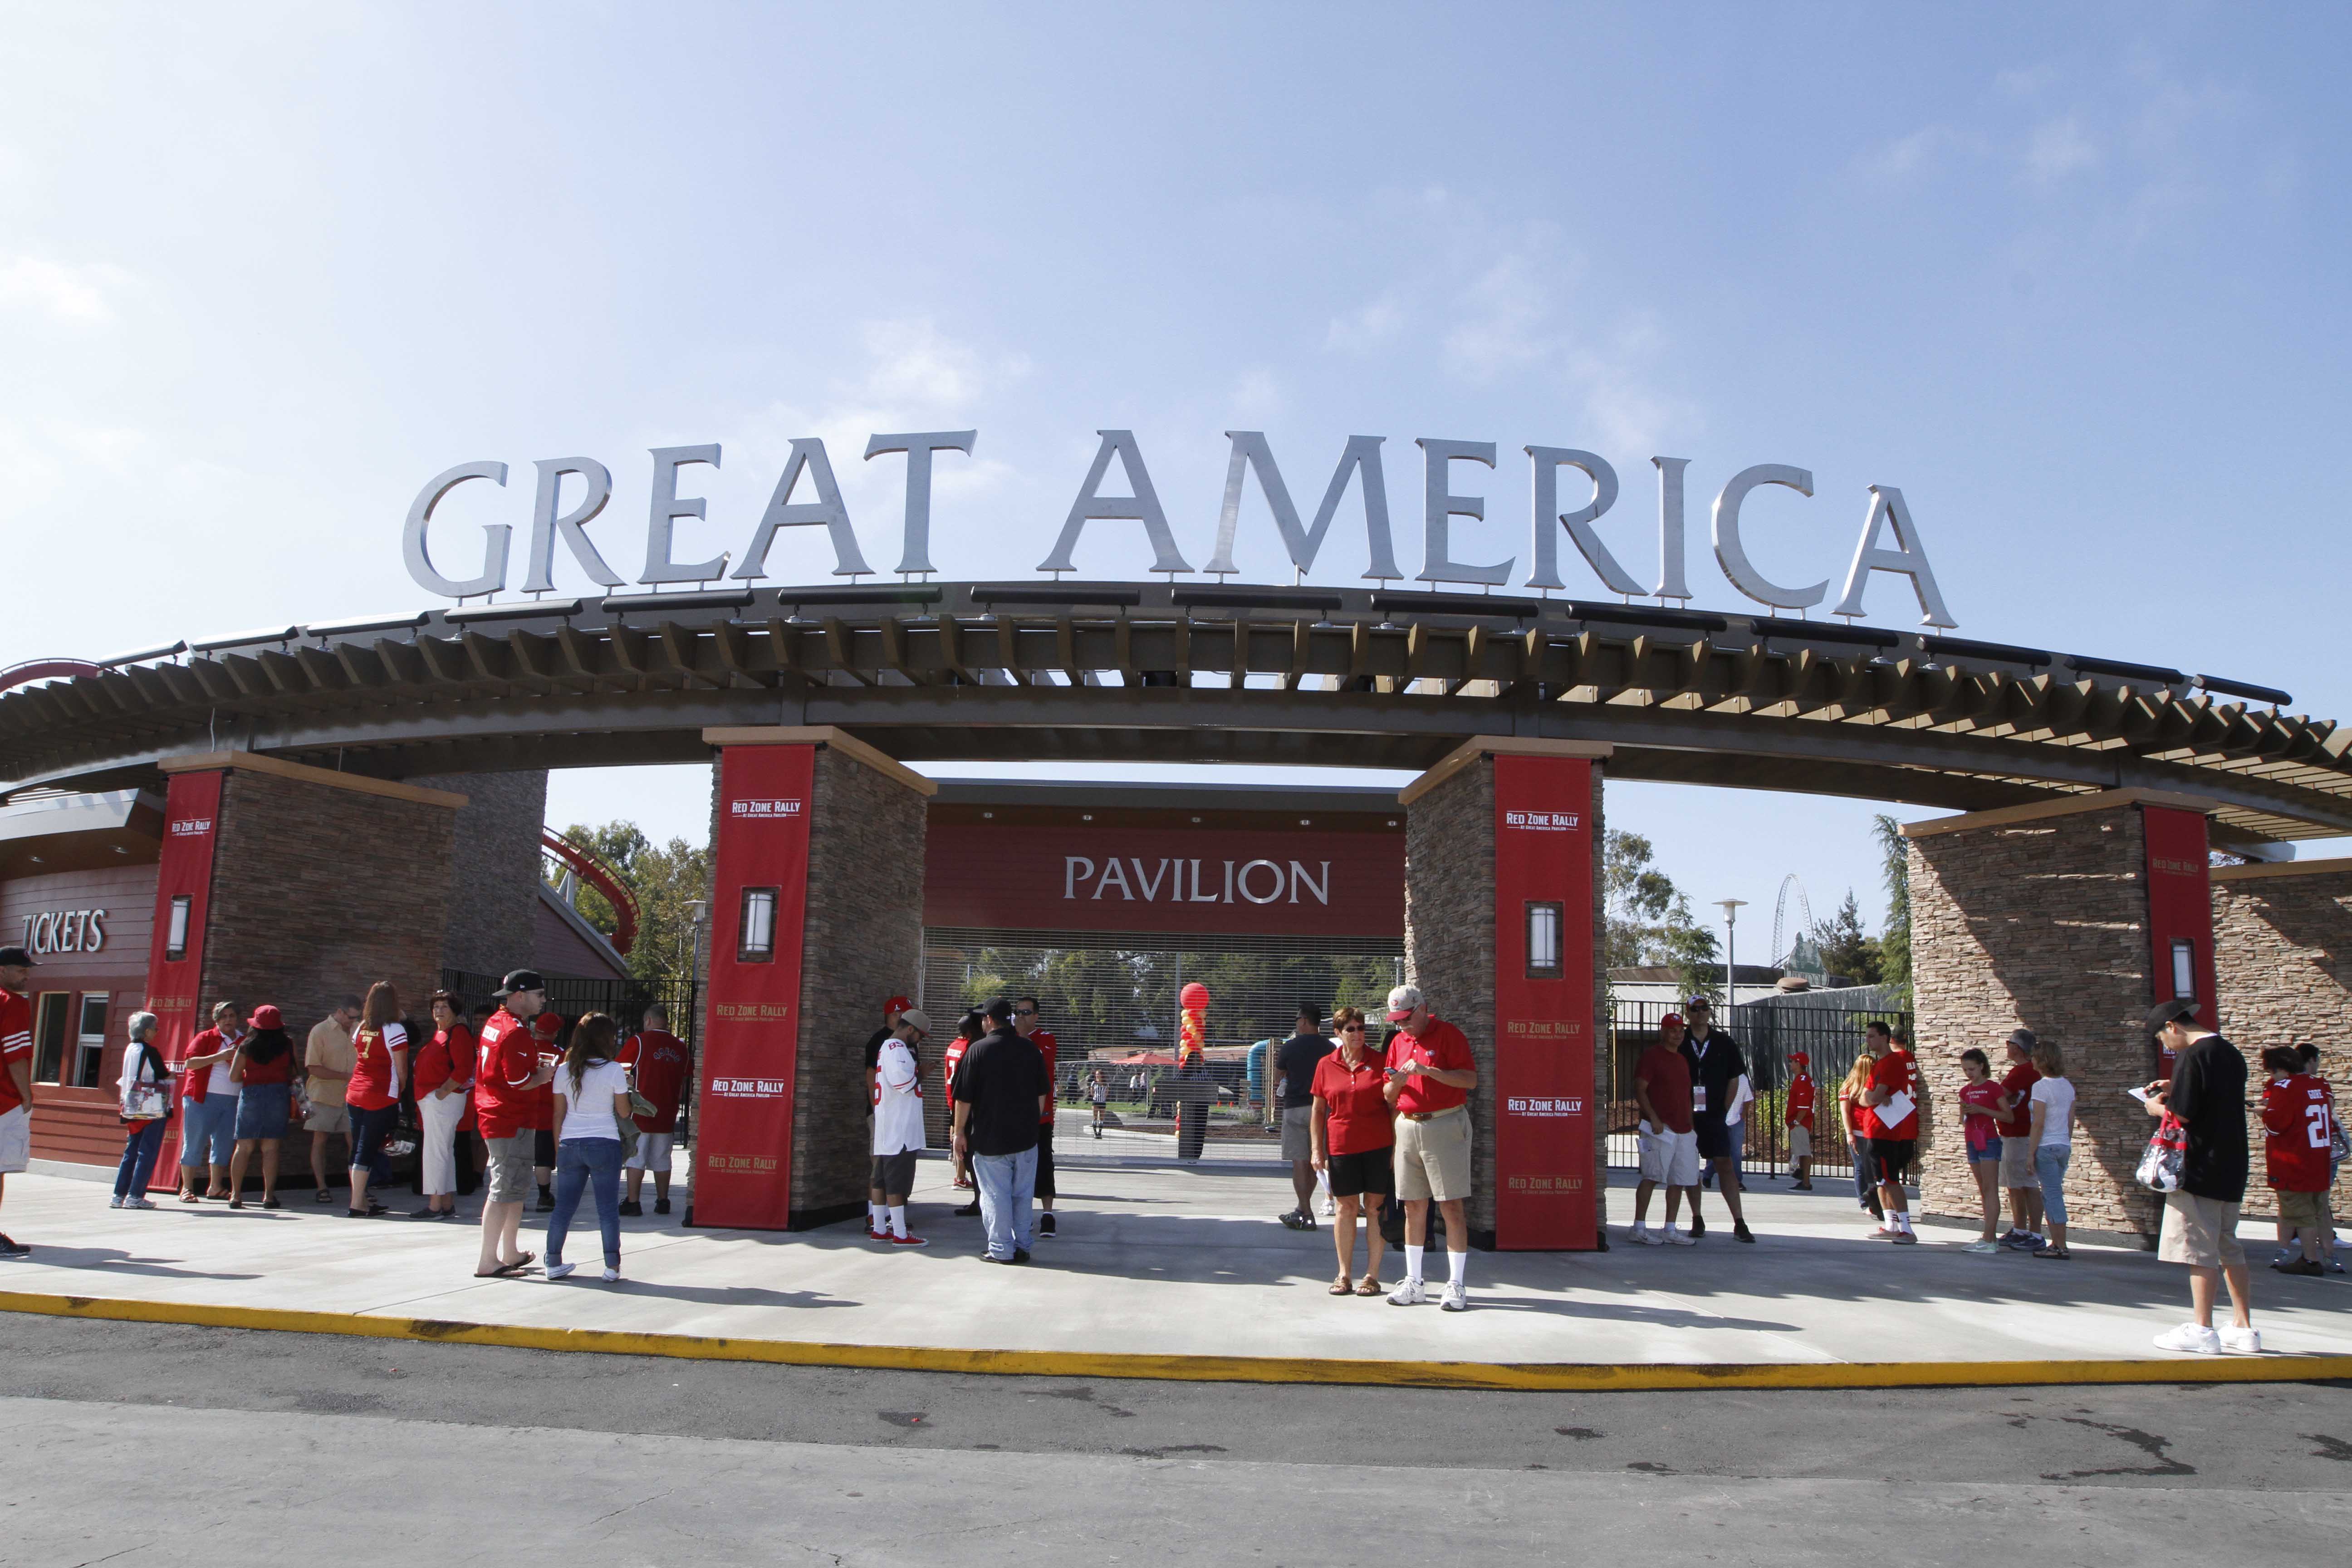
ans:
x=176 y=958
x=2180 y=911
x=1543 y=1004
x=759 y=898
x=1228 y=881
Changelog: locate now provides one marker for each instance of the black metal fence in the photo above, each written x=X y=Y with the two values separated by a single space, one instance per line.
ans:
x=625 y=1000
x=1769 y=1033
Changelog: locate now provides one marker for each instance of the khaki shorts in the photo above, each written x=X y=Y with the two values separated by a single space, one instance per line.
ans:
x=2302 y=1209
x=510 y=1180
x=328 y=1119
x=2201 y=1232
x=1433 y=1157
x=1801 y=1143
x=16 y=1140
x=2017 y=1162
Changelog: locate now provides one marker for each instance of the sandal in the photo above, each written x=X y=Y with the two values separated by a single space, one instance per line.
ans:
x=1368 y=1286
x=237 y=1203
x=189 y=1198
x=271 y=1204
x=1343 y=1286
x=2060 y=1253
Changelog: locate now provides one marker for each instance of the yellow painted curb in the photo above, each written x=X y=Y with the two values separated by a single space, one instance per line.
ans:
x=1525 y=1376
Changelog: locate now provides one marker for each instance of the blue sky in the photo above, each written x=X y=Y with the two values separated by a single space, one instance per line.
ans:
x=2075 y=281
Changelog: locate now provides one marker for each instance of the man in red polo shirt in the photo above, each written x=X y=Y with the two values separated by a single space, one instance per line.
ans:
x=658 y=1063
x=507 y=1079
x=1890 y=1120
x=15 y=1075
x=1429 y=1076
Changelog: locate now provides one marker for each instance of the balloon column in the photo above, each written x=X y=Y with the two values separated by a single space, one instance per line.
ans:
x=1192 y=1033
x=1193 y=1072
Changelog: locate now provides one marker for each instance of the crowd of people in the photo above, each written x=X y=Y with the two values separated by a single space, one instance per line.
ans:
x=508 y=1090
x=1381 y=1130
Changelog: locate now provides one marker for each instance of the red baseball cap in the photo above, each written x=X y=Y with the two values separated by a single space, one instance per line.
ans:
x=268 y=1017
x=547 y=1025
x=1800 y=1057
x=1674 y=1018
x=897 y=1004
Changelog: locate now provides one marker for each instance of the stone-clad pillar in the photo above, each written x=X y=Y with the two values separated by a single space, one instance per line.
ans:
x=2049 y=917
x=825 y=834
x=303 y=885
x=1536 y=1030
x=2283 y=941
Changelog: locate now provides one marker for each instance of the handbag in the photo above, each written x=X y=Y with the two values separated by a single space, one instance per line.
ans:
x=2160 y=1167
x=149 y=1099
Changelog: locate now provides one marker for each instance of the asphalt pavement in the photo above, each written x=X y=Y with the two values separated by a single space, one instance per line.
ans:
x=136 y=1442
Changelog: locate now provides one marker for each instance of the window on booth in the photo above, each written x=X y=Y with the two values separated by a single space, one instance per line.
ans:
x=49 y=1023
x=90 y=1065
x=2184 y=967
x=756 y=941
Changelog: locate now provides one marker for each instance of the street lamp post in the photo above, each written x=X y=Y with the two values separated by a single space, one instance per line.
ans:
x=1730 y=908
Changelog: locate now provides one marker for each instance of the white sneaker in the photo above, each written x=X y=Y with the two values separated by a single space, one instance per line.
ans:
x=612 y=1276
x=1677 y=1239
x=1328 y=1208
x=140 y=1204
x=561 y=1270
x=2190 y=1337
x=1984 y=1248
x=1408 y=1293
x=1456 y=1298
x=114 y=1202
x=2242 y=1342
x=1640 y=1236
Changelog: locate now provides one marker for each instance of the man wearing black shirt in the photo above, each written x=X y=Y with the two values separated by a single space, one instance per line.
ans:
x=1293 y=1087
x=1001 y=1095
x=1716 y=1067
x=2208 y=1092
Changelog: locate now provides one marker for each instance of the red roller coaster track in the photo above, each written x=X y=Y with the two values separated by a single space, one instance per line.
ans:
x=592 y=870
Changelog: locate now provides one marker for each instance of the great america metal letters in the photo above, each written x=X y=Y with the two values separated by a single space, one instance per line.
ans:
x=1890 y=540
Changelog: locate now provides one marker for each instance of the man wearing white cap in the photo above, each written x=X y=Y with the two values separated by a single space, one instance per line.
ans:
x=1431 y=1074
x=898 y=1129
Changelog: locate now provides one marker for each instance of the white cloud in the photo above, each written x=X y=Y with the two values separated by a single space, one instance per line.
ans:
x=1361 y=330
x=1908 y=155
x=1257 y=396
x=2024 y=82
x=2060 y=148
x=1505 y=308
x=60 y=291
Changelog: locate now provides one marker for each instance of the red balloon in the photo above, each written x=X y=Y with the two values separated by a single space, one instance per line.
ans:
x=1194 y=996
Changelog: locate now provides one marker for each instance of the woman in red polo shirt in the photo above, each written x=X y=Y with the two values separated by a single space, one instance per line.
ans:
x=379 y=1068
x=444 y=1071
x=1353 y=1139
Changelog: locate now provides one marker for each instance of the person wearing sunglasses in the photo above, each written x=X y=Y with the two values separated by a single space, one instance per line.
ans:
x=1354 y=1133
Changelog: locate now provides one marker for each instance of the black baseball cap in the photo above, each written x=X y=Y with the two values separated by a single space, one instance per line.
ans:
x=15 y=956
x=2164 y=1012
x=522 y=980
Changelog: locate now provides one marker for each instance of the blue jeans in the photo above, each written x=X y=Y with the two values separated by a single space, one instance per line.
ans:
x=141 y=1141
x=208 y=1129
x=584 y=1162
x=2050 y=1168
x=1008 y=1183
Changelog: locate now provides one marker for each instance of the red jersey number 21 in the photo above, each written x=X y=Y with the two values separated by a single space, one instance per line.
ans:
x=2318 y=1116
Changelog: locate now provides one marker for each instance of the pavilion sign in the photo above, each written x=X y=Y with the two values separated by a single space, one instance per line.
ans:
x=1889 y=539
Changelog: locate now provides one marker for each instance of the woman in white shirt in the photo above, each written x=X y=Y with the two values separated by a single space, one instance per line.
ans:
x=143 y=1096
x=2053 y=1142
x=591 y=1095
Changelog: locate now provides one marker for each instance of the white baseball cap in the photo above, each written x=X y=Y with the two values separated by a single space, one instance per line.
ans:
x=1402 y=1002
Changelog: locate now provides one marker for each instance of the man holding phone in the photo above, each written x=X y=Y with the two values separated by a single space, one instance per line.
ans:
x=2207 y=1091
x=1429 y=1076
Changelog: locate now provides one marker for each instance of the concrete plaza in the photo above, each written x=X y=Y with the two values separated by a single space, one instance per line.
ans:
x=1182 y=1263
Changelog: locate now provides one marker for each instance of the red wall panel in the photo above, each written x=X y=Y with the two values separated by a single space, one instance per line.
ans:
x=1233 y=881
x=743 y=1153
x=2179 y=906
x=184 y=869
x=1543 y=1023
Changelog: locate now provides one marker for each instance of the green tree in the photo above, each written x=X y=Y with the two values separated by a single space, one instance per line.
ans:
x=1846 y=948
x=1649 y=918
x=1895 y=941
x=667 y=879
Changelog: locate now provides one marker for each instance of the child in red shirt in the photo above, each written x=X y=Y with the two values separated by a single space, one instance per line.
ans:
x=1796 y=1115
x=2298 y=1126
x=1982 y=1099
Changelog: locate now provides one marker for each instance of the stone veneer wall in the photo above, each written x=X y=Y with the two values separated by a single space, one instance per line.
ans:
x=2283 y=958
x=2041 y=924
x=493 y=887
x=1449 y=941
x=320 y=890
x=863 y=942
